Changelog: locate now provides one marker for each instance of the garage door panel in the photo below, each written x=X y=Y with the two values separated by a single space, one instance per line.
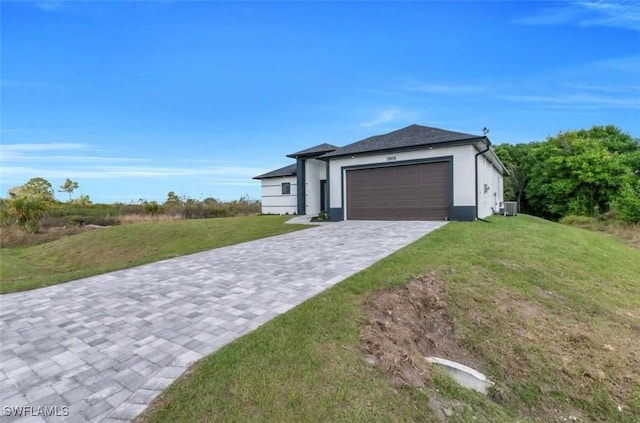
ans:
x=406 y=192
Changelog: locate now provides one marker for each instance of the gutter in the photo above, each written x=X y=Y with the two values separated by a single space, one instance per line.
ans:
x=476 y=165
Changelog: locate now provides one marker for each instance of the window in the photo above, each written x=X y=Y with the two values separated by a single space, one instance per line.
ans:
x=286 y=188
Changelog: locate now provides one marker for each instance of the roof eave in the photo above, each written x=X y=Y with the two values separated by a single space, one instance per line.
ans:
x=464 y=141
x=273 y=176
x=488 y=142
x=308 y=155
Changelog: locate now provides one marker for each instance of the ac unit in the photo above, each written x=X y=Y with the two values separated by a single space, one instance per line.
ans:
x=510 y=208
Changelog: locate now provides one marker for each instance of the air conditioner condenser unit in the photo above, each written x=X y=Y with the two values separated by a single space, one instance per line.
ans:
x=510 y=208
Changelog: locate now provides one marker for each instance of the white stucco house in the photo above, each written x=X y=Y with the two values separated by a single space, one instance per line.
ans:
x=414 y=173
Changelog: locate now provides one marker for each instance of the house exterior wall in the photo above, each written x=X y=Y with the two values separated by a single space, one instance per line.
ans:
x=463 y=176
x=490 y=188
x=315 y=171
x=273 y=201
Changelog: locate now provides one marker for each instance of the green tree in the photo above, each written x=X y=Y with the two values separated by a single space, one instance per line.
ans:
x=627 y=205
x=35 y=188
x=172 y=199
x=82 y=200
x=578 y=172
x=152 y=208
x=517 y=159
x=69 y=186
x=612 y=138
x=210 y=201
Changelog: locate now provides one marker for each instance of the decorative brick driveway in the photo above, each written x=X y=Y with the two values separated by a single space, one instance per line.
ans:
x=101 y=348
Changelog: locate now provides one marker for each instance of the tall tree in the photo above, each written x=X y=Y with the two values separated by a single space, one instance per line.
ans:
x=69 y=186
x=172 y=199
x=578 y=172
x=38 y=188
x=83 y=200
x=517 y=159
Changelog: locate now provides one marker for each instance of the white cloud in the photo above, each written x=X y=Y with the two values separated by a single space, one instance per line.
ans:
x=382 y=117
x=111 y=172
x=605 y=84
x=445 y=89
x=549 y=16
x=232 y=183
x=577 y=100
x=614 y=14
x=49 y=6
x=66 y=146
x=22 y=153
x=76 y=159
x=627 y=65
x=21 y=162
x=618 y=89
x=17 y=151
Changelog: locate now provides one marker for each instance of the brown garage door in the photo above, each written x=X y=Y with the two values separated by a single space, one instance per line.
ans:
x=410 y=192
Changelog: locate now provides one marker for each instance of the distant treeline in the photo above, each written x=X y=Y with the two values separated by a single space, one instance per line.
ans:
x=593 y=172
x=111 y=214
x=32 y=207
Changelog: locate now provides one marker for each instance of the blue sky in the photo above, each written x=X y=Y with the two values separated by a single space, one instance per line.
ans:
x=135 y=99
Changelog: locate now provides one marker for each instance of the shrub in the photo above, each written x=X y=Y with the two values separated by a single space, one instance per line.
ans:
x=152 y=208
x=573 y=219
x=627 y=206
x=6 y=218
x=27 y=212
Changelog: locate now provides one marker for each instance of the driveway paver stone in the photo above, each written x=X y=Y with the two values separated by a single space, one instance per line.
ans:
x=107 y=345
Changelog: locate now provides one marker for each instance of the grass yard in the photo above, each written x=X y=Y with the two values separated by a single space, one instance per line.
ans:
x=627 y=233
x=551 y=313
x=119 y=247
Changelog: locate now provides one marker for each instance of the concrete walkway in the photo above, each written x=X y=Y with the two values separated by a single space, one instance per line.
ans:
x=101 y=348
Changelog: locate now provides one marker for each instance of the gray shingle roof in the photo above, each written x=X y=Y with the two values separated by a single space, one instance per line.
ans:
x=314 y=151
x=289 y=170
x=411 y=136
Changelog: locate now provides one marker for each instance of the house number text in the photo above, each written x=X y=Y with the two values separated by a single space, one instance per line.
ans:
x=391 y=158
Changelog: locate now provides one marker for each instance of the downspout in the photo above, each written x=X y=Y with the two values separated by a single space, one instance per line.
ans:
x=476 y=163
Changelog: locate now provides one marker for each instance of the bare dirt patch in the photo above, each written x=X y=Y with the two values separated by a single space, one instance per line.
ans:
x=403 y=326
x=406 y=324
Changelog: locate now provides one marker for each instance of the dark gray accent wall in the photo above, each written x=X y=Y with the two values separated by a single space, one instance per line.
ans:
x=328 y=187
x=336 y=214
x=300 y=173
x=464 y=213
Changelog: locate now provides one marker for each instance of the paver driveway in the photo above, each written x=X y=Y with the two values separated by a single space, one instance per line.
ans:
x=105 y=346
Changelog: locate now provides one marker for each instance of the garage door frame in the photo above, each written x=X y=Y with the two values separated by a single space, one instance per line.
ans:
x=344 y=169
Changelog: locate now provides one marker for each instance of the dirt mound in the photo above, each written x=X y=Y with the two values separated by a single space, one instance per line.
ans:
x=403 y=325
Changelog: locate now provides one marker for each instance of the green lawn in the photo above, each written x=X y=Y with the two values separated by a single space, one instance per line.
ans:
x=119 y=247
x=551 y=312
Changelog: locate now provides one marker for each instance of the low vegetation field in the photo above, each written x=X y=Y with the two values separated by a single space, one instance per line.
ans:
x=551 y=313
x=626 y=232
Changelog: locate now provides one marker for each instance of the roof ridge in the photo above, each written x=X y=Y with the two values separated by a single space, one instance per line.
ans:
x=316 y=150
x=410 y=136
x=288 y=170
